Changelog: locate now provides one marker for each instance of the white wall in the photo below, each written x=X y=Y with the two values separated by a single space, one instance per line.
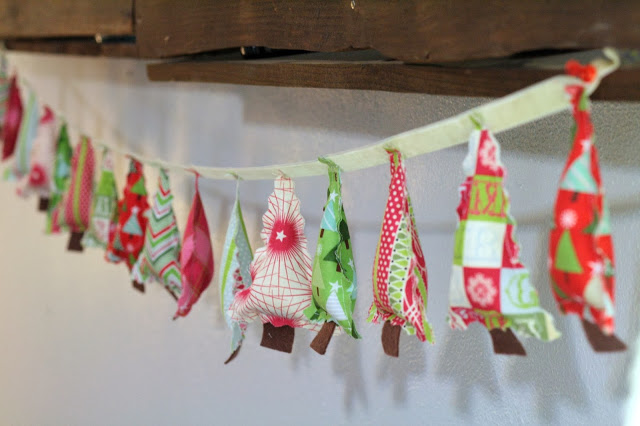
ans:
x=81 y=347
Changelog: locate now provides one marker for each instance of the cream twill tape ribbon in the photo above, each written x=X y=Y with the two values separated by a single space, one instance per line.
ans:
x=537 y=101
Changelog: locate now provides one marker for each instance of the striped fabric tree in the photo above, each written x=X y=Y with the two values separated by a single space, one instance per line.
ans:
x=159 y=259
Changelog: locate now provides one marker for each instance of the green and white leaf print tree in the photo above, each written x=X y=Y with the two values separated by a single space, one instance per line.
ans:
x=334 y=276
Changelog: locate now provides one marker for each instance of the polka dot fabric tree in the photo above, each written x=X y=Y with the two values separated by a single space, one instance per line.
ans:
x=399 y=271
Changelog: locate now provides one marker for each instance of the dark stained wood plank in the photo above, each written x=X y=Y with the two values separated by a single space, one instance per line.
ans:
x=64 y=18
x=82 y=47
x=392 y=76
x=410 y=30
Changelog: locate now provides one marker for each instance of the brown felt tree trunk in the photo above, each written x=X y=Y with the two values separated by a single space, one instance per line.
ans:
x=391 y=339
x=506 y=343
x=277 y=338
x=601 y=342
x=43 y=204
x=75 y=241
x=323 y=338
x=138 y=286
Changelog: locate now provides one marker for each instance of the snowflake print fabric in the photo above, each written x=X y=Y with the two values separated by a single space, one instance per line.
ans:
x=26 y=137
x=399 y=270
x=12 y=119
x=489 y=284
x=581 y=257
x=334 y=276
x=60 y=181
x=127 y=236
x=196 y=257
x=281 y=272
x=236 y=276
x=159 y=259
x=105 y=200
x=39 y=178
x=76 y=205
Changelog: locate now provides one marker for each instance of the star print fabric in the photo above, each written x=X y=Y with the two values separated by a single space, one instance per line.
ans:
x=105 y=200
x=39 y=178
x=127 y=236
x=281 y=270
x=60 y=181
x=334 y=275
x=236 y=261
x=399 y=270
x=581 y=256
x=159 y=260
x=489 y=284
x=196 y=257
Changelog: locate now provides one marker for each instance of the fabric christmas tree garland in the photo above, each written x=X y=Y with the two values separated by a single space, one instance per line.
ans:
x=236 y=275
x=60 y=181
x=159 y=259
x=281 y=273
x=581 y=258
x=489 y=284
x=26 y=137
x=196 y=257
x=127 y=234
x=105 y=201
x=334 y=276
x=399 y=270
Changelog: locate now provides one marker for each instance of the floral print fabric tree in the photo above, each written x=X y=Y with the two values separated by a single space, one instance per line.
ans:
x=280 y=273
x=127 y=237
x=12 y=119
x=399 y=270
x=489 y=284
x=581 y=258
x=334 y=275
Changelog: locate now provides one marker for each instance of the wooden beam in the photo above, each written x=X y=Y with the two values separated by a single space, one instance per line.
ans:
x=82 y=47
x=410 y=30
x=65 y=18
x=392 y=76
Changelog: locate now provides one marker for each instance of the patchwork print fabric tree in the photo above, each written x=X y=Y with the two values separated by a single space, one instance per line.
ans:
x=159 y=259
x=334 y=275
x=39 y=178
x=581 y=258
x=489 y=284
x=399 y=270
x=76 y=205
x=280 y=273
x=127 y=238
x=236 y=276
x=60 y=183
x=12 y=119
x=105 y=200
x=196 y=257
x=26 y=137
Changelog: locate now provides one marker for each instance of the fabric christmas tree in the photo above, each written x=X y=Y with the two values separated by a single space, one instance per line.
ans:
x=76 y=205
x=489 y=284
x=39 y=179
x=280 y=273
x=236 y=276
x=581 y=259
x=12 y=119
x=159 y=259
x=399 y=270
x=26 y=137
x=196 y=257
x=105 y=200
x=60 y=181
x=127 y=237
x=334 y=275
x=4 y=88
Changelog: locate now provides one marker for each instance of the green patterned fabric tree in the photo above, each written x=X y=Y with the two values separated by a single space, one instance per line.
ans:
x=334 y=276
